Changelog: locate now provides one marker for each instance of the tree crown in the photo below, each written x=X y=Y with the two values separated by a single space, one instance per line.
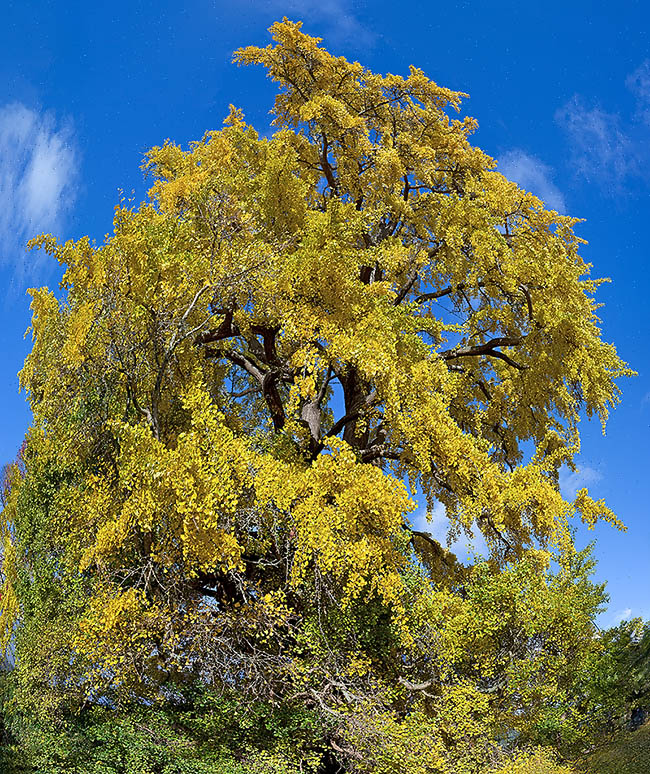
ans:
x=244 y=388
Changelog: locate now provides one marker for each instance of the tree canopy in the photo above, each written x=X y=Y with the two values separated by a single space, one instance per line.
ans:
x=245 y=397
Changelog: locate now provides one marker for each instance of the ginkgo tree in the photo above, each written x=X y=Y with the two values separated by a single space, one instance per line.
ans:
x=243 y=399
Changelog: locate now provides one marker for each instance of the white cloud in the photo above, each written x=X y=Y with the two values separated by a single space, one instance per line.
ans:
x=638 y=83
x=38 y=171
x=622 y=615
x=532 y=175
x=572 y=481
x=336 y=16
x=438 y=525
x=601 y=151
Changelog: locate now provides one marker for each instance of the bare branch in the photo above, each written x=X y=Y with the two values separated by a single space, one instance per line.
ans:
x=243 y=393
x=406 y=287
x=460 y=288
x=488 y=349
x=239 y=359
x=326 y=381
x=415 y=686
x=379 y=452
x=227 y=330
x=327 y=167
x=352 y=415
x=436 y=294
x=501 y=537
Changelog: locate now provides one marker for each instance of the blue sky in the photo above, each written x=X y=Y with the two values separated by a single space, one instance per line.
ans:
x=561 y=92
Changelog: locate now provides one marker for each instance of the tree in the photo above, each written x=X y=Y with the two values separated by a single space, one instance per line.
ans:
x=241 y=393
x=613 y=685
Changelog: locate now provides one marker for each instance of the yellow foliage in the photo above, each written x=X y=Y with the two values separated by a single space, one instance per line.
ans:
x=244 y=389
x=536 y=762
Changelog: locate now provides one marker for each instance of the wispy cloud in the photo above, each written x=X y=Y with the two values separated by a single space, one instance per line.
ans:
x=601 y=151
x=638 y=83
x=572 y=481
x=38 y=171
x=438 y=525
x=534 y=176
x=622 y=615
x=336 y=19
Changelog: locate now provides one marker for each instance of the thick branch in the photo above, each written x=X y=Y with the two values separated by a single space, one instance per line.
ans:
x=273 y=399
x=435 y=294
x=327 y=167
x=431 y=541
x=355 y=392
x=415 y=686
x=379 y=452
x=311 y=414
x=488 y=349
x=268 y=337
x=267 y=381
x=445 y=292
x=352 y=415
x=227 y=330
x=406 y=287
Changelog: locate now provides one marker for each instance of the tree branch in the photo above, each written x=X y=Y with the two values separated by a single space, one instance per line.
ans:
x=488 y=349
x=327 y=167
x=352 y=415
x=379 y=452
x=430 y=540
x=529 y=302
x=406 y=287
x=227 y=330
x=267 y=381
x=415 y=686
x=436 y=294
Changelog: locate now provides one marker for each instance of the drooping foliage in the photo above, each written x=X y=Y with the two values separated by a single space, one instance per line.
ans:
x=242 y=396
